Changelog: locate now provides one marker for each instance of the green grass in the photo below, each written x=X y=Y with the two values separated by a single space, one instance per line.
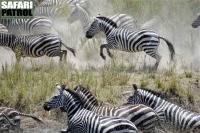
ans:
x=24 y=88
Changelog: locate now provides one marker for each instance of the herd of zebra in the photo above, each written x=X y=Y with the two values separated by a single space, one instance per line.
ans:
x=144 y=111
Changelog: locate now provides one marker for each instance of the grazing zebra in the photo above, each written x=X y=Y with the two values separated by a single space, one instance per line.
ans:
x=3 y=28
x=13 y=118
x=34 y=45
x=142 y=116
x=125 y=40
x=36 y=25
x=81 y=120
x=179 y=118
x=196 y=22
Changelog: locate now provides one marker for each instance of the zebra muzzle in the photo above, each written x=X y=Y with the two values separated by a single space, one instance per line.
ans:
x=88 y=35
x=46 y=107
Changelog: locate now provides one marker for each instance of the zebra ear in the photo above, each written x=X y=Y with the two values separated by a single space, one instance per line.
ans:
x=63 y=87
x=134 y=87
x=58 y=86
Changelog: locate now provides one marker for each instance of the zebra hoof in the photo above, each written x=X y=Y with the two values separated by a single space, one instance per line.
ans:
x=103 y=57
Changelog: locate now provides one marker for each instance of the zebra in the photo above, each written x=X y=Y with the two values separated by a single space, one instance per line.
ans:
x=79 y=13
x=36 y=25
x=51 y=12
x=142 y=116
x=34 y=45
x=3 y=28
x=179 y=118
x=59 y=2
x=128 y=41
x=81 y=120
x=13 y=117
x=196 y=22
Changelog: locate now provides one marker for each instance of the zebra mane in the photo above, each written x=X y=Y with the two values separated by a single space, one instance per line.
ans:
x=158 y=94
x=74 y=95
x=111 y=22
x=87 y=91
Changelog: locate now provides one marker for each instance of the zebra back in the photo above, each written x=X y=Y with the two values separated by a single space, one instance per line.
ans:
x=176 y=116
x=124 y=21
x=140 y=115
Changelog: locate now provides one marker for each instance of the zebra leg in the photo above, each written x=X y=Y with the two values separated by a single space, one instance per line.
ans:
x=101 y=51
x=109 y=53
x=155 y=56
x=64 y=55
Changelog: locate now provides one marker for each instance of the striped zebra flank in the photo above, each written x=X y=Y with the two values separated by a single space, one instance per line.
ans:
x=142 y=116
x=35 y=45
x=180 y=119
x=126 y=40
x=13 y=118
x=196 y=22
x=3 y=28
x=36 y=25
x=81 y=120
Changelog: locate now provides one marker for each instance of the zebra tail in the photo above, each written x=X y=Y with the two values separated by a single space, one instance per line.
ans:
x=11 y=123
x=170 y=46
x=32 y=116
x=70 y=49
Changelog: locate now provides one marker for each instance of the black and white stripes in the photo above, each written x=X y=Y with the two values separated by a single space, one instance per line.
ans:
x=129 y=41
x=85 y=121
x=35 y=45
x=179 y=118
x=142 y=116
x=36 y=25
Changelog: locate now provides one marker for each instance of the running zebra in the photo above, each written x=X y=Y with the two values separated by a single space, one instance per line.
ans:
x=13 y=119
x=36 y=25
x=52 y=12
x=196 y=22
x=142 y=116
x=79 y=13
x=179 y=118
x=81 y=120
x=125 y=40
x=3 y=28
x=34 y=45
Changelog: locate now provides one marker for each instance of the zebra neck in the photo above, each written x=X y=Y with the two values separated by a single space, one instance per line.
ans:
x=106 y=28
x=89 y=106
x=85 y=21
x=72 y=106
x=154 y=102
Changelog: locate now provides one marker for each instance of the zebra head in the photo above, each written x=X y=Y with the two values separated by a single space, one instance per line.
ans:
x=196 y=22
x=75 y=14
x=56 y=100
x=136 y=97
x=93 y=29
